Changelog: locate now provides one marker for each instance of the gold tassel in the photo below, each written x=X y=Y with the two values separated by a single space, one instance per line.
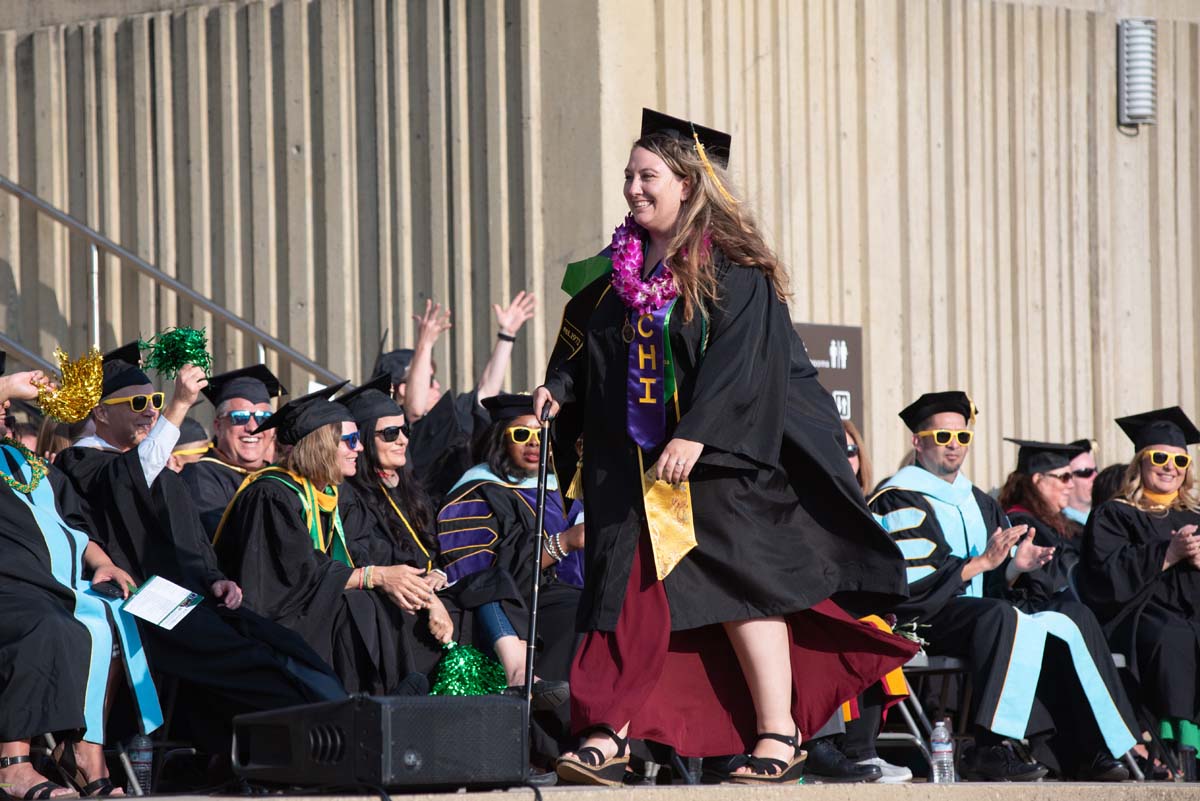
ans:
x=575 y=491
x=711 y=172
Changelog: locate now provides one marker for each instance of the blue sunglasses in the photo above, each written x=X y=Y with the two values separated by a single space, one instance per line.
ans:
x=351 y=440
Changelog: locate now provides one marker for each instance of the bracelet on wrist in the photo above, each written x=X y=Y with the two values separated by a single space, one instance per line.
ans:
x=556 y=541
x=370 y=582
x=548 y=547
x=506 y=337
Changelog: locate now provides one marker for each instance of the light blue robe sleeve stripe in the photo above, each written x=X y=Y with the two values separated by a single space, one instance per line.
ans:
x=901 y=519
x=917 y=573
x=916 y=548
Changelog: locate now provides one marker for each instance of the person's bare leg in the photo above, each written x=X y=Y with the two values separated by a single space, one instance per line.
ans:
x=17 y=779
x=762 y=650
x=90 y=759
x=510 y=650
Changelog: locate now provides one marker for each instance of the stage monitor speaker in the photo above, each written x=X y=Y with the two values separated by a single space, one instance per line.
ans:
x=401 y=741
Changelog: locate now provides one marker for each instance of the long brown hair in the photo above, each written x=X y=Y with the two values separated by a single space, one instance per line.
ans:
x=864 y=464
x=708 y=215
x=1019 y=490
x=315 y=457
x=1132 y=490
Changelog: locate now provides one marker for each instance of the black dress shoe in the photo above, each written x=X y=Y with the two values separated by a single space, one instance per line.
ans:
x=1000 y=763
x=546 y=694
x=829 y=765
x=1104 y=769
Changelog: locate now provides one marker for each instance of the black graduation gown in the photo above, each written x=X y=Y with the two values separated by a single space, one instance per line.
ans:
x=1150 y=615
x=243 y=661
x=44 y=649
x=266 y=547
x=1034 y=591
x=370 y=542
x=780 y=521
x=442 y=441
x=212 y=484
x=983 y=631
x=506 y=518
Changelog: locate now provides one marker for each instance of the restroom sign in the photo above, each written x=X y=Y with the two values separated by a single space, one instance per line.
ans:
x=836 y=352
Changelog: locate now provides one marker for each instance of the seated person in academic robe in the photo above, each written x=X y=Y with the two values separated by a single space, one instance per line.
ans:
x=445 y=425
x=1046 y=677
x=193 y=443
x=282 y=539
x=1084 y=471
x=229 y=659
x=57 y=632
x=486 y=536
x=243 y=403
x=1141 y=570
x=387 y=516
x=1036 y=495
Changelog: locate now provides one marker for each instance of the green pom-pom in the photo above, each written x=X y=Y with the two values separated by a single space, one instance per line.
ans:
x=175 y=347
x=464 y=670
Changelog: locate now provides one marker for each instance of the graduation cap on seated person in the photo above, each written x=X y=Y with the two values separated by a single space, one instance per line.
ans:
x=255 y=383
x=394 y=364
x=191 y=431
x=301 y=416
x=932 y=403
x=715 y=143
x=130 y=353
x=1042 y=457
x=508 y=406
x=1170 y=426
x=372 y=400
x=1084 y=445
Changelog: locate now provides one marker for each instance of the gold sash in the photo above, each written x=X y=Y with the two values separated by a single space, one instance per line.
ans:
x=668 y=518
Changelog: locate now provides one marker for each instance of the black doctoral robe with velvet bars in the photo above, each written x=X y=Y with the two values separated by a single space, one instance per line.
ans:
x=1150 y=615
x=781 y=523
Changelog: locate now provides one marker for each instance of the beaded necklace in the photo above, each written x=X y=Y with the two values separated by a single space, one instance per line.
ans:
x=37 y=468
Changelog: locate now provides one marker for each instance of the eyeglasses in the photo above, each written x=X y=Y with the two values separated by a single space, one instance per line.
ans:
x=942 y=436
x=139 y=402
x=1160 y=458
x=352 y=440
x=851 y=451
x=1065 y=478
x=243 y=416
x=1086 y=472
x=392 y=433
x=520 y=435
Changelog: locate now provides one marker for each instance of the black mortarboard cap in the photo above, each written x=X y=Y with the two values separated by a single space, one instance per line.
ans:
x=1084 y=445
x=130 y=353
x=716 y=143
x=119 y=374
x=1168 y=426
x=507 y=406
x=932 y=403
x=192 y=431
x=372 y=400
x=1041 y=457
x=256 y=384
x=298 y=418
x=394 y=363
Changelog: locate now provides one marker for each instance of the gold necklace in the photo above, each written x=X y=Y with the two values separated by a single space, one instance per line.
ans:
x=37 y=468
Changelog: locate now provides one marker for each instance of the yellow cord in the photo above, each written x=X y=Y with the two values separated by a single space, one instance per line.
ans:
x=711 y=172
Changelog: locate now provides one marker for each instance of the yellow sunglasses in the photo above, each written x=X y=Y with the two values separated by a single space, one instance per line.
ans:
x=139 y=402
x=942 y=436
x=1160 y=458
x=520 y=435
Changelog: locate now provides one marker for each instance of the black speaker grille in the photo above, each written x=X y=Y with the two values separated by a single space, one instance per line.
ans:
x=326 y=744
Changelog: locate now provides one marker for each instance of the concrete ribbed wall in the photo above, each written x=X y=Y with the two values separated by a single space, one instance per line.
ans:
x=946 y=173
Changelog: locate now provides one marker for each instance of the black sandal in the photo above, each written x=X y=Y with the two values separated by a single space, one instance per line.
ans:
x=589 y=766
x=38 y=792
x=70 y=769
x=766 y=770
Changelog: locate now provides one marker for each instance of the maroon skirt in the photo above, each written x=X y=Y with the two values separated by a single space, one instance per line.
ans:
x=686 y=688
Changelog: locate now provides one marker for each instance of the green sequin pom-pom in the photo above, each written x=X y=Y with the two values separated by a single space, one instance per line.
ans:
x=465 y=670
x=175 y=347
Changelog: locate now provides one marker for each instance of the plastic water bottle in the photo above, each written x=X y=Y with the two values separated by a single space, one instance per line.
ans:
x=942 y=746
x=141 y=757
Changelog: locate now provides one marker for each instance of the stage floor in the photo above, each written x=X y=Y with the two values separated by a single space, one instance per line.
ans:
x=1037 y=791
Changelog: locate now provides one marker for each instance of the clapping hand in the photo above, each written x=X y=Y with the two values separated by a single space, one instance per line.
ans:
x=999 y=546
x=1184 y=547
x=1030 y=557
